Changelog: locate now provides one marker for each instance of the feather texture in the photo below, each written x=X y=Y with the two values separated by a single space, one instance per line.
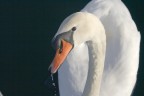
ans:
x=122 y=53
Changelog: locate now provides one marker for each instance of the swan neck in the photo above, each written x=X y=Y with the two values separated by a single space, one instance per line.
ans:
x=96 y=65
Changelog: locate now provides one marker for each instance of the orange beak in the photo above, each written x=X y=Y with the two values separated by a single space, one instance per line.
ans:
x=60 y=56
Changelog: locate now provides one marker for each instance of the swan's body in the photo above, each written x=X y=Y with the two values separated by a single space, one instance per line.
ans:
x=121 y=56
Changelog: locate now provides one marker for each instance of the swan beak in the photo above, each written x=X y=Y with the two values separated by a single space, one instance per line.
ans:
x=60 y=56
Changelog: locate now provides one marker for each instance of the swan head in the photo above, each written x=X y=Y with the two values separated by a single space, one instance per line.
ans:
x=76 y=29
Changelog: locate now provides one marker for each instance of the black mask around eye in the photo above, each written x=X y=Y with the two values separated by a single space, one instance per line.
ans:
x=67 y=36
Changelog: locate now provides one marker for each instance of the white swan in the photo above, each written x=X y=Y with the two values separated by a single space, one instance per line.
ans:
x=80 y=43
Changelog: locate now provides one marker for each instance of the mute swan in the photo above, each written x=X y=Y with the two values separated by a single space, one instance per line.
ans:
x=98 y=51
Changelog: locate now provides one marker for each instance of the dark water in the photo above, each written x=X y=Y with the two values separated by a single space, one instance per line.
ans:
x=26 y=30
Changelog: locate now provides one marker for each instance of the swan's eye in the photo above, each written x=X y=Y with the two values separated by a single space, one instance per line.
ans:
x=73 y=29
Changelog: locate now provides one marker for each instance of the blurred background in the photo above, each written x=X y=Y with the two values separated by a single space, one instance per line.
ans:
x=26 y=30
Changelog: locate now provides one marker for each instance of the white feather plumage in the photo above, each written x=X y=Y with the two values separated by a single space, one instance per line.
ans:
x=122 y=53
